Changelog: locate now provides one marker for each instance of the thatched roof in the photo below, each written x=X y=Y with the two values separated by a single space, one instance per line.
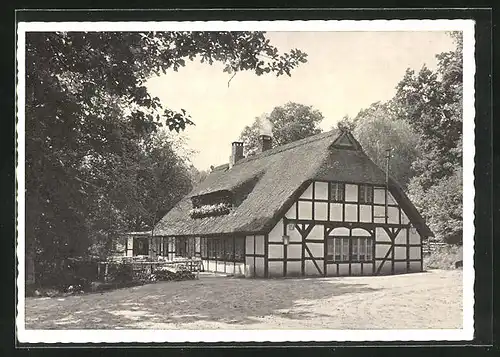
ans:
x=269 y=181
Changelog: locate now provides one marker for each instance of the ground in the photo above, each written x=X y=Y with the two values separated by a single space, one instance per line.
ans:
x=427 y=300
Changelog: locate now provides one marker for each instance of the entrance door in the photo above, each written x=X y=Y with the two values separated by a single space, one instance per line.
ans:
x=141 y=246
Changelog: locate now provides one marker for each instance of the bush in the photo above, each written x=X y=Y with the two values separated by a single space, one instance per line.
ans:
x=444 y=257
x=120 y=272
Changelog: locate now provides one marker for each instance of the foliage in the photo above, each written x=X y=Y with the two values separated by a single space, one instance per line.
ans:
x=210 y=210
x=432 y=104
x=93 y=163
x=346 y=124
x=290 y=122
x=444 y=257
x=197 y=176
x=377 y=129
x=422 y=123
x=442 y=205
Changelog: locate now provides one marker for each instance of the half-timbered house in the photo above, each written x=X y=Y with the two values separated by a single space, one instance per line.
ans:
x=315 y=207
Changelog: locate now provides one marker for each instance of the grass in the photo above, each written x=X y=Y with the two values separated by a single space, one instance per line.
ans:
x=420 y=300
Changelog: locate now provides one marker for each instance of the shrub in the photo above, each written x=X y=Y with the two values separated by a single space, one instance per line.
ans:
x=120 y=273
x=444 y=257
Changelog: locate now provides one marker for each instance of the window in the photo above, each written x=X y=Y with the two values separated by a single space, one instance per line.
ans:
x=203 y=248
x=181 y=247
x=363 y=250
x=224 y=249
x=338 y=249
x=337 y=191
x=239 y=249
x=365 y=194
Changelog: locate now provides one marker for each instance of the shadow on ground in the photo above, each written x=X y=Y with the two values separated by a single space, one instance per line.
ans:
x=210 y=299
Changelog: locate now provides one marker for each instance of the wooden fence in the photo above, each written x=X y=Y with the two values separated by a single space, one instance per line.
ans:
x=430 y=247
x=148 y=266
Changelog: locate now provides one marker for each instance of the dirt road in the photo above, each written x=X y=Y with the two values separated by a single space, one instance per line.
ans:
x=417 y=301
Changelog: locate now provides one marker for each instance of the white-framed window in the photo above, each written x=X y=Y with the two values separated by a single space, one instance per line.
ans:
x=361 y=249
x=349 y=249
x=337 y=191
x=365 y=194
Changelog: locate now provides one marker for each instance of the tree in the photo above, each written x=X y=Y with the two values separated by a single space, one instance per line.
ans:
x=377 y=129
x=89 y=117
x=290 y=122
x=432 y=103
x=346 y=124
x=198 y=176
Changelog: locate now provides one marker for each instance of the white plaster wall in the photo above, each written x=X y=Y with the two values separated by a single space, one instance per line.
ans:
x=379 y=195
x=399 y=252
x=351 y=213
x=336 y=212
x=317 y=232
x=305 y=210
x=360 y=232
x=404 y=218
x=356 y=269
x=381 y=235
x=259 y=244
x=343 y=269
x=381 y=250
x=401 y=237
x=310 y=268
x=321 y=191
x=393 y=215
x=365 y=213
x=386 y=268
x=259 y=267
x=415 y=266
x=414 y=237
x=316 y=249
x=293 y=268
x=294 y=251
x=276 y=234
x=308 y=192
x=275 y=269
x=400 y=267
x=275 y=251
x=239 y=269
x=415 y=253
x=340 y=231
x=249 y=267
x=320 y=211
x=294 y=235
x=379 y=214
x=249 y=242
x=351 y=193
x=292 y=212
x=331 y=270
x=220 y=266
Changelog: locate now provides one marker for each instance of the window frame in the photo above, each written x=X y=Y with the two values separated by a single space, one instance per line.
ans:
x=223 y=249
x=365 y=193
x=336 y=247
x=336 y=191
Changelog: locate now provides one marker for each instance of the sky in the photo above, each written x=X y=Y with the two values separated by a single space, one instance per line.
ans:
x=345 y=72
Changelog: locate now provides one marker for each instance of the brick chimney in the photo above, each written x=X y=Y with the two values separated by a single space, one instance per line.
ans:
x=265 y=133
x=265 y=142
x=236 y=152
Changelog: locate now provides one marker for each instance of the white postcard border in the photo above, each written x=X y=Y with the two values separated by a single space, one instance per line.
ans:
x=113 y=336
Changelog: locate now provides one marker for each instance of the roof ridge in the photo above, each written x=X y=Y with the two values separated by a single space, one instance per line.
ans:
x=288 y=146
